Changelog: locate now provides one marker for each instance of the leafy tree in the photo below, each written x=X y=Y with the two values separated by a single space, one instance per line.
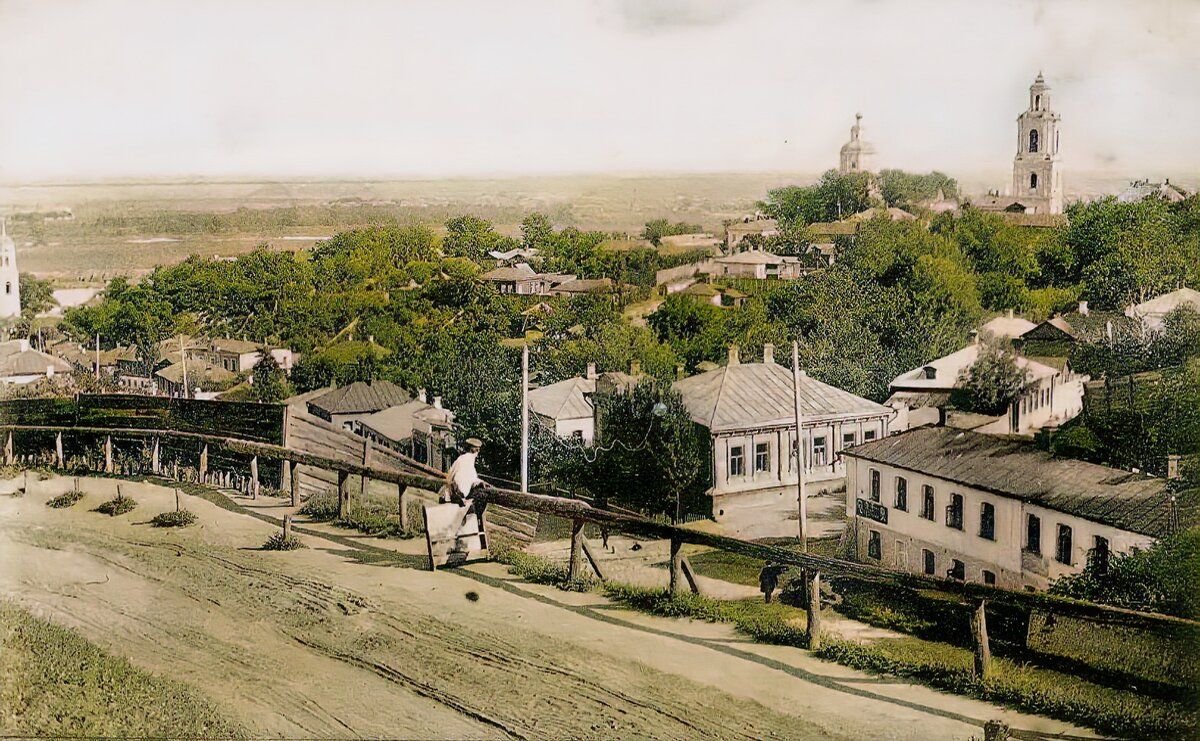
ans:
x=994 y=380
x=37 y=296
x=656 y=229
x=833 y=197
x=270 y=383
x=900 y=188
x=472 y=237
x=537 y=232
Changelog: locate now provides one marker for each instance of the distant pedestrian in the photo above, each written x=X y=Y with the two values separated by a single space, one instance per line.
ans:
x=462 y=479
x=768 y=580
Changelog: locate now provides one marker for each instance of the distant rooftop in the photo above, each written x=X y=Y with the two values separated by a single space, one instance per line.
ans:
x=361 y=397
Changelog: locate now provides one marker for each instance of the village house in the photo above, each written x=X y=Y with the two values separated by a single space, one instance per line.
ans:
x=1051 y=395
x=84 y=359
x=758 y=265
x=522 y=279
x=750 y=225
x=420 y=429
x=20 y=364
x=566 y=408
x=1056 y=336
x=1152 y=312
x=749 y=412
x=963 y=505
x=579 y=286
x=1140 y=190
x=347 y=406
x=239 y=356
x=203 y=380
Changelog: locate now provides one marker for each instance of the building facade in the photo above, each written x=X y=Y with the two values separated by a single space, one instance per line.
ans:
x=10 y=277
x=857 y=155
x=1037 y=171
x=956 y=504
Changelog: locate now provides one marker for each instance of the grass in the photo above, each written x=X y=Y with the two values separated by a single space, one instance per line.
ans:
x=366 y=515
x=54 y=683
x=118 y=505
x=277 y=542
x=1111 y=709
x=174 y=518
x=66 y=499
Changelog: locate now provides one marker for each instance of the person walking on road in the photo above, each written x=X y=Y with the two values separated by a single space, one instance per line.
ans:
x=462 y=478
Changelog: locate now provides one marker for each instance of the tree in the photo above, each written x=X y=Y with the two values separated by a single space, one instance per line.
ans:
x=900 y=188
x=472 y=237
x=994 y=380
x=536 y=231
x=835 y=196
x=270 y=383
x=37 y=295
x=658 y=228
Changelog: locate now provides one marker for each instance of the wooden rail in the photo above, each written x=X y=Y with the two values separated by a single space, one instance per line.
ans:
x=579 y=511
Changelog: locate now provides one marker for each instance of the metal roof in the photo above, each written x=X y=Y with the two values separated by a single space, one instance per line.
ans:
x=744 y=395
x=948 y=368
x=1166 y=302
x=1018 y=469
x=520 y=271
x=563 y=400
x=361 y=396
x=396 y=423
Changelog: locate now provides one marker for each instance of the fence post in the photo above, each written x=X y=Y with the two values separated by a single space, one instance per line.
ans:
x=576 y=564
x=8 y=449
x=59 y=460
x=287 y=527
x=254 y=477
x=366 y=461
x=814 y=610
x=979 y=636
x=177 y=500
x=156 y=458
x=108 y=458
x=676 y=564
x=294 y=475
x=402 y=505
x=343 y=494
x=204 y=464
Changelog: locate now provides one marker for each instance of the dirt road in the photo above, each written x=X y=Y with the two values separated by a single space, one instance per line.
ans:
x=333 y=642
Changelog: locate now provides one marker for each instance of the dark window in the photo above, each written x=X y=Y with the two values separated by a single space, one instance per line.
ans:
x=1100 y=555
x=1062 y=551
x=737 y=460
x=1033 y=534
x=930 y=561
x=819 y=451
x=874 y=545
x=954 y=512
x=874 y=485
x=989 y=577
x=1033 y=140
x=8 y=287
x=927 y=502
x=987 y=521
x=848 y=439
x=1037 y=102
x=902 y=493
x=1033 y=180
x=958 y=570
x=869 y=435
x=762 y=457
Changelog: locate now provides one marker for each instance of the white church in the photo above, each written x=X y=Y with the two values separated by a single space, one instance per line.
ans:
x=10 y=300
x=1037 y=186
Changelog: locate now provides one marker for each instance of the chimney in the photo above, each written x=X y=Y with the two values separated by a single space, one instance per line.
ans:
x=437 y=402
x=768 y=353
x=635 y=367
x=421 y=396
x=733 y=355
x=1173 y=467
x=591 y=372
x=1083 y=309
x=1009 y=314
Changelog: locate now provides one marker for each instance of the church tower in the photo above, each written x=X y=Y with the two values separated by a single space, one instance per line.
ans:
x=10 y=299
x=1037 y=173
x=856 y=153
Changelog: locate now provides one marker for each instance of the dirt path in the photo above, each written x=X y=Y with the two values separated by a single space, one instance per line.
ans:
x=333 y=642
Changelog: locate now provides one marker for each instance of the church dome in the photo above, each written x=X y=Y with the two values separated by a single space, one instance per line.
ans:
x=857 y=145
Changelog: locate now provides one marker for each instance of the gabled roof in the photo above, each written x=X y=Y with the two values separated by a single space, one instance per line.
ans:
x=761 y=394
x=361 y=397
x=197 y=371
x=832 y=228
x=563 y=400
x=585 y=285
x=1166 y=302
x=1020 y=470
x=396 y=423
x=1007 y=326
x=948 y=367
x=240 y=347
x=755 y=257
x=520 y=271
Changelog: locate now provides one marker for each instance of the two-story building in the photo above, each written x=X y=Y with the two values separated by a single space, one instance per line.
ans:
x=749 y=411
x=239 y=356
x=964 y=505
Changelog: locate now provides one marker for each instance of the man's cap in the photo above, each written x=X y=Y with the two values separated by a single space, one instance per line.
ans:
x=474 y=442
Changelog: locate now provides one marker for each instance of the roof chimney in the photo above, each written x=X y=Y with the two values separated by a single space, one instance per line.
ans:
x=421 y=396
x=591 y=372
x=437 y=402
x=1083 y=308
x=733 y=355
x=768 y=353
x=1173 y=467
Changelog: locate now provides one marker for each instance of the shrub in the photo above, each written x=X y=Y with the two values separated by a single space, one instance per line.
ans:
x=66 y=499
x=174 y=518
x=539 y=570
x=118 y=505
x=277 y=542
x=322 y=507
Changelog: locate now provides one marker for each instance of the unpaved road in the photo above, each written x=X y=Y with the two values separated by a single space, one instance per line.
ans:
x=324 y=643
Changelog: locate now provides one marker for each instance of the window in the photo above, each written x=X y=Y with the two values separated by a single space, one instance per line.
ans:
x=989 y=578
x=869 y=435
x=901 y=493
x=874 y=485
x=1062 y=551
x=927 y=502
x=8 y=287
x=958 y=570
x=930 y=561
x=1033 y=181
x=1033 y=140
x=987 y=521
x=874 y=546
x=577 y=436
x=762 y=457
x=819 y=451
x=1037 y=102
x=737 y=460
x=1100 y=554
x=954 y=512
x=1033 y=534
x=848 y=439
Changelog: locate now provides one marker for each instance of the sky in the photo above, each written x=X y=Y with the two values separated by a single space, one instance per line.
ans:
x=93 y=90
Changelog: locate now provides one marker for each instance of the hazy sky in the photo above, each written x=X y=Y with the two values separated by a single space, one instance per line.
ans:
x=93 y=89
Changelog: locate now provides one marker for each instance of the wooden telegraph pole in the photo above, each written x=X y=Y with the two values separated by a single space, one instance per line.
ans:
x=802 y=497
x=525 y=417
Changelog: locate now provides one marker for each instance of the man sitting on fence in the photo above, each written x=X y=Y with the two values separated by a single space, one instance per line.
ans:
x=462 y=479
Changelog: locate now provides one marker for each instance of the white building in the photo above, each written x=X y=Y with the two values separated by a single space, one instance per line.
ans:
x=348 y=405
x=857 y=155
x=757 y=264
x=20 y=364
x=418 y=428
x=1037 y=186
x=959 y=504
x=10 y=277
x=749 y=411
x=1152 y=312
x=566 y=407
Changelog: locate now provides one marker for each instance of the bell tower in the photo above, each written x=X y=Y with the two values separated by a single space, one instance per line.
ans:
x=10 y=284
x=1037 y=173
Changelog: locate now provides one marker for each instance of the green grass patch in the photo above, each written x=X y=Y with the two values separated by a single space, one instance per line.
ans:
x=539 y=570
x=54 y=683
x=277 y=542
x=118 y=505
x=366 y=515
x=66 y=499
x=174 y=518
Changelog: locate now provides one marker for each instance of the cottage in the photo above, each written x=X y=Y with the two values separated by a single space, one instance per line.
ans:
x=348 y=405
x=419 y=429
x=993 y=510
x=519 y=279
x=1151 y=313
x=566 y=408
x=579 y=286
x=20 y=364
x=739 y=230
x=240 y=356
x=749 y=412
x=759 y=265
x=202 y=379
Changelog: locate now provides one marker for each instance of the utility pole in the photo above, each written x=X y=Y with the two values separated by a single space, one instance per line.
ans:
x=525 y=417
x=802 y=497
x=183 y=359
x=97 y=356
